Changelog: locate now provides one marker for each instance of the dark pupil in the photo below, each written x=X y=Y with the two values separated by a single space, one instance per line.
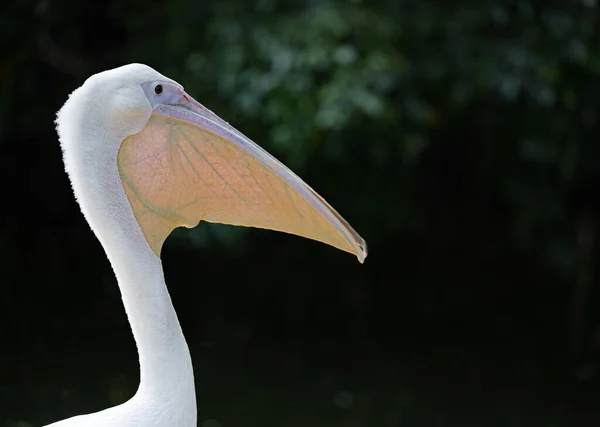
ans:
x=158 y=89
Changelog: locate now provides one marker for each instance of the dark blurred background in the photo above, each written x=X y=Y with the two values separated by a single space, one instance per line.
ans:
x=459 y=138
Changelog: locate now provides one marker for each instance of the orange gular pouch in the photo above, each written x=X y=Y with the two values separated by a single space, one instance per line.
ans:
x=177 y=173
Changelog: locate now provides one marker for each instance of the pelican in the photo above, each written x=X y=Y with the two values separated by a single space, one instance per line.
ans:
x=143 y=158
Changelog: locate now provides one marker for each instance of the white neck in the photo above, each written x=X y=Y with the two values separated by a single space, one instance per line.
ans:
x=166 y=395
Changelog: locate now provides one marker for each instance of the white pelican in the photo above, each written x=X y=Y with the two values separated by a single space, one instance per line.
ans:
x=144 y=158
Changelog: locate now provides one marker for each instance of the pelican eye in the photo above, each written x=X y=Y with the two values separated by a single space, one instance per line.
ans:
x=158 y=89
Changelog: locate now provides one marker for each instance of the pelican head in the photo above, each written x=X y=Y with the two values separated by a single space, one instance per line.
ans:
x=116 y=100
x=180 y=163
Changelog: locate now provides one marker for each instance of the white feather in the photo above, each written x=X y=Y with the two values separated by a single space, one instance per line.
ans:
x=91 y=125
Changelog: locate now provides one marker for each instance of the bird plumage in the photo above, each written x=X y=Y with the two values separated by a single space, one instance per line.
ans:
x=105 y=132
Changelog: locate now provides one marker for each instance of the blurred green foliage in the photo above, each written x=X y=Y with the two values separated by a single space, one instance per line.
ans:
x=504 y=92
x=370 y=89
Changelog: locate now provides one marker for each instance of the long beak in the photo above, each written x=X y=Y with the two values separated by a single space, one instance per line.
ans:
x=210 y=171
